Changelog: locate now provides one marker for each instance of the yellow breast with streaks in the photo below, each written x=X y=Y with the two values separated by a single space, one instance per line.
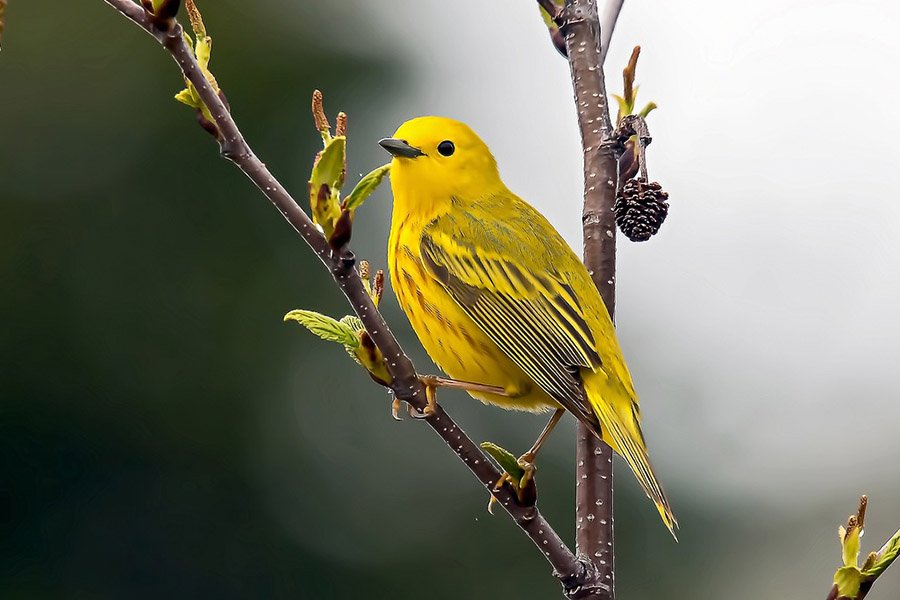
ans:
x=453 y=341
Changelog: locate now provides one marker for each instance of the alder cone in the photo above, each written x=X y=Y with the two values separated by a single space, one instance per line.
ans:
x=641 y=208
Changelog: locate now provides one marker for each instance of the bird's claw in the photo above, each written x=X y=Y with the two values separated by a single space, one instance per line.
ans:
x=526 y=461
x=395 y=409
x=415 y=413
x=428 y=381
x=430 y=384
x=524 y=487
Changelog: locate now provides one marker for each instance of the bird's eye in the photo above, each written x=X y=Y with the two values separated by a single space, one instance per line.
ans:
x=446 y=148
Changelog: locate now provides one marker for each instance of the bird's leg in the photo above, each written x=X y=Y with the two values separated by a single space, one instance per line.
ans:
x=469 y=386
x=526 y=461
x=432 y=382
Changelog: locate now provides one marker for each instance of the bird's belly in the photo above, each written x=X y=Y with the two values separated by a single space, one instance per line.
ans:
x=457 y=345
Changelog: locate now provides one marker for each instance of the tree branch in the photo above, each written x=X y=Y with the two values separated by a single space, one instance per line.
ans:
x=578 y=577
x=580 y=25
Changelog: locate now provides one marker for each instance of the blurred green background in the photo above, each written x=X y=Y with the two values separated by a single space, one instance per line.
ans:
x=164 y=434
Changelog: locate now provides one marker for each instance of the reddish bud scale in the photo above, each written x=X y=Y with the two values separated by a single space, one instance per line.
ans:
x=343 y=230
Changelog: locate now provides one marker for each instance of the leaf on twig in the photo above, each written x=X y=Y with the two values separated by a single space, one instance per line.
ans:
x=324 y=184
x=851 y=581
x=505 y=459
x=353 y=322
x=545 y=6
x=365 y=187
x=186 y=97
x=648 y=108
x=330 y=162
x=350 y=331
x=884 y=557
x=325 y=327
x=203 y=53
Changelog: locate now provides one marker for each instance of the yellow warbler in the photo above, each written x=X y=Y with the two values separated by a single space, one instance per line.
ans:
x=498 y=298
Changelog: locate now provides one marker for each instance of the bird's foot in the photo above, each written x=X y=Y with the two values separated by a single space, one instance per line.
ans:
x=526 y=462
x=518 y=474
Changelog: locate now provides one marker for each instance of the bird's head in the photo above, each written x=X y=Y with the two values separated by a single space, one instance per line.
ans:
x=441 y=156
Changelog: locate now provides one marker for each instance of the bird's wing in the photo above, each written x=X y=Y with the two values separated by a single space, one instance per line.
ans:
x=503 y=272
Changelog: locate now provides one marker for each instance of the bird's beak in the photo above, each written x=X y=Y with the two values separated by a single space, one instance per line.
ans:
x=399 y=148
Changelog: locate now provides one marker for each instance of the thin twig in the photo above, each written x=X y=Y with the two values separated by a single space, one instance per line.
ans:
x=608 y=25
x=575 y=575
x=635 y=125
x=580 y=25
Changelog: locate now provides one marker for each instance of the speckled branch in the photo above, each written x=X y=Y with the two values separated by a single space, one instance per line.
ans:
x=580 y=25
x=575 y=575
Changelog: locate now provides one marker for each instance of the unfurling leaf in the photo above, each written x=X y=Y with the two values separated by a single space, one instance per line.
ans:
x=324 y=192
x=330 y=163
x=623 y=105
x=850 y=549
x=350 y=333
x=850 y=581
x=368 y=355
x=349 y=330
x=884 y=557
x=353 y=322
x=325 y=327
x=185 y=97
x=202 y=52
x=650 y=107
x=555 y=35
x=505 y=459
x=365 y=187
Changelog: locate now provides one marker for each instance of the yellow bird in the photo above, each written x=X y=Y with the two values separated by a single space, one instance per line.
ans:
x=498 y=298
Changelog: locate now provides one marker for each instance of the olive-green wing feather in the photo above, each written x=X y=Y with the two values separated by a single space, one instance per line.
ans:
x=503 y=273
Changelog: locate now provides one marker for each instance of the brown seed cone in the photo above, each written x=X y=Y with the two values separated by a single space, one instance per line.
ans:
x=640 y=209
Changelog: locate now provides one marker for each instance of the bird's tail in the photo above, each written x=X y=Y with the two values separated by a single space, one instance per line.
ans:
x=620 y=427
